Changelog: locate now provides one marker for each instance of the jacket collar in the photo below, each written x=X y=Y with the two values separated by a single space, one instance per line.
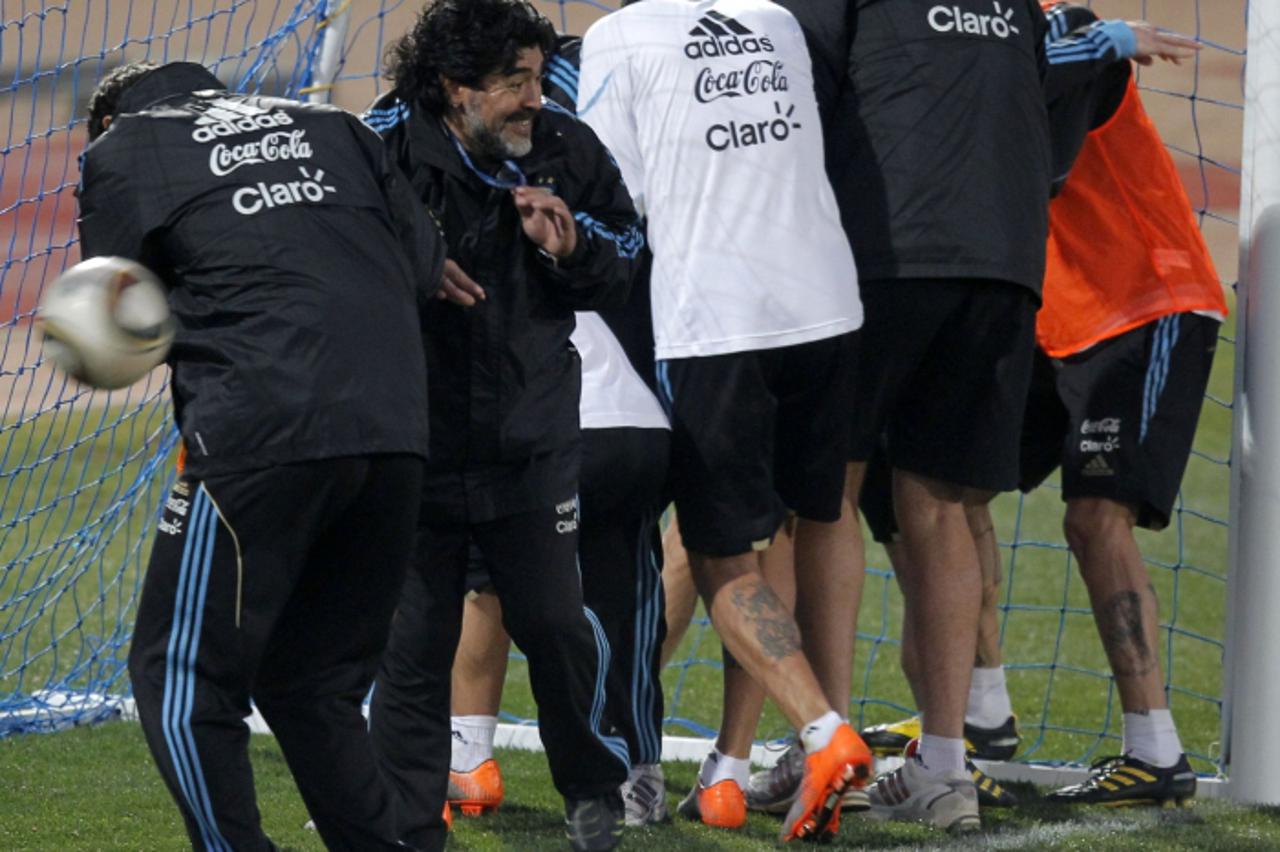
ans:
x=167 y=81
x=431 y=141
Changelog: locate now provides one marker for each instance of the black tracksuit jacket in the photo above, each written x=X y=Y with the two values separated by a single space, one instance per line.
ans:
x=936 y=133
x=505 y=378
x=296 y=256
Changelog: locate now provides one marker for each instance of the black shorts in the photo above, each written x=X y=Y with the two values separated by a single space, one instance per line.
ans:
x=479 y=580
x=944 y=373
x=876 y=499
x=755 y=435
x=624 y=474
x=1120 y=417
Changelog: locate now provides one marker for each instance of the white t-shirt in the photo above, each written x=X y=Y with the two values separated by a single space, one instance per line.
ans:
x=613 y=394
x=709 y=109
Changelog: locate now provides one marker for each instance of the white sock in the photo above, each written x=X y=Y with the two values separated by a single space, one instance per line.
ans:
x=1152 y=738
x=718 y=767
x=941 y=754
x=815 y=735
x=472 y=741
x=989 y=705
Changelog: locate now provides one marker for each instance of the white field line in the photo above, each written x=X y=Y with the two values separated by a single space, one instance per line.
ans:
x=693 y=749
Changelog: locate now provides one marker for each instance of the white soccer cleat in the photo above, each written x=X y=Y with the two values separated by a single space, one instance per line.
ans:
x=644 y=796
x=913 y=794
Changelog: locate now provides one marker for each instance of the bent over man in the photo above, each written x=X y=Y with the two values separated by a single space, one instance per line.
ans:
x=300 y=391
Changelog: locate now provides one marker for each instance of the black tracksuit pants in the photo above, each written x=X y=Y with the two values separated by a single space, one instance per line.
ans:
x=276 y=585
x=623 y=478
x=533 y=559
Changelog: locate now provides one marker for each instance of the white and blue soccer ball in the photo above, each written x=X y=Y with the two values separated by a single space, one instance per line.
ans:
x=106 y=322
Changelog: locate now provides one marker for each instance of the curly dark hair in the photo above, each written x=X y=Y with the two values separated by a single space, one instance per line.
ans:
x=106 y=97
x=464 y=41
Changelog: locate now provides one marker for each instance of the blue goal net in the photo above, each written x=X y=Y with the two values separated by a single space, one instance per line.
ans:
x=83 y=473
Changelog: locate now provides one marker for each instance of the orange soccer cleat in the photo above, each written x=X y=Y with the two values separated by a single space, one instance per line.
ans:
x=828 y=772
x=722 y=805
x=448 y=817
x=476 y=792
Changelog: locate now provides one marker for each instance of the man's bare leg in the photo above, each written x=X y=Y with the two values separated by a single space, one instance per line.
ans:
x=988 y=654
x=984 y=539
x=479 y=670
x=1100 y=534
x=988 y=623
x=678 y=589
x=743 y=697
x=942 y=585
x=758 y=630
x=480 y=666
x=830 y=567
x=989 y=707
x=910 y=656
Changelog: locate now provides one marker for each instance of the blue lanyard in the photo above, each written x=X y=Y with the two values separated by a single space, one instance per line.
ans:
x=495 y=182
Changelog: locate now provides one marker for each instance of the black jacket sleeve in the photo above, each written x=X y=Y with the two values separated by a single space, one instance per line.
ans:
x=610 y=239
x=419 y=234
x=1079 y=48
x=1086 y=83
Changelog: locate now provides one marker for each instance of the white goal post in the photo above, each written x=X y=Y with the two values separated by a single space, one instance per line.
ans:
x=1251 y=693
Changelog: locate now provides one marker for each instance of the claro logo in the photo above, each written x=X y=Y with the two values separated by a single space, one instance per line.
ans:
x=250 y=200
x=953 y=19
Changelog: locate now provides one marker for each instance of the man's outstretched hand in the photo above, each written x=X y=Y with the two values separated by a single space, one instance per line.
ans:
x=1156 y=44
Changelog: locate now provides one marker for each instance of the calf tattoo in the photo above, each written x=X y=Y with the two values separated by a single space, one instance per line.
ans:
x=776 y=630
x=1124 y=634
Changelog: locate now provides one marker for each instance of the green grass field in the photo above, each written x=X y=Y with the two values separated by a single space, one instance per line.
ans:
x=95 y=789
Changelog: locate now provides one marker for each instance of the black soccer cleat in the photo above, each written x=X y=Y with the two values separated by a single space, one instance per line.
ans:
x=1124 y=780
x=991 y=793
x=992 y=743
x=890 y=738
x=594 y=825
x=1000 y=743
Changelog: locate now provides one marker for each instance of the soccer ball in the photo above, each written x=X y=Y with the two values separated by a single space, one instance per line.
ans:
x=106 y=322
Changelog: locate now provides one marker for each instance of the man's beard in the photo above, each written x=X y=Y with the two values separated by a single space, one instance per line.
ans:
x=490 y=144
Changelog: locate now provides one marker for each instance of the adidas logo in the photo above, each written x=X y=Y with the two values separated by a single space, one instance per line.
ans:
x=1097 y=466
x=719 y=35
x=225 y=117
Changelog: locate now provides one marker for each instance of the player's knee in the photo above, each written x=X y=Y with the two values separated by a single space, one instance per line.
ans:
x=1094 y=522
x=978 y=516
